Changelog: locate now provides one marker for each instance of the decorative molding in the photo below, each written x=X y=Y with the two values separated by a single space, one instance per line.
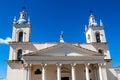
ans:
x=58 y=64
x=65 y=70
x=57 y=58
x=87 y=64
x=19 y=43
x=21 y=25
x=43 y=65
x=73 y=64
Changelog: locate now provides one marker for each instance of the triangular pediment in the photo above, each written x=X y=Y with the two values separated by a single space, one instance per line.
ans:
x=64 y=49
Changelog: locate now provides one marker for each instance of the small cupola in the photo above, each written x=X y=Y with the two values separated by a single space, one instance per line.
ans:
x=92 y=21
x=22 y=18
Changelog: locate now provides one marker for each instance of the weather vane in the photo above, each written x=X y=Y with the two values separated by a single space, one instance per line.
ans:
x=23 y=7
x=91 y=12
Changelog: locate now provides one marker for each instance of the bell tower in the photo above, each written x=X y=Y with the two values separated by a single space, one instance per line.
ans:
x=94 y=32
x=21 y=28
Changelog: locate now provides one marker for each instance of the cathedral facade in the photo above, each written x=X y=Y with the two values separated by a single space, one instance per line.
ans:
x=59 y=60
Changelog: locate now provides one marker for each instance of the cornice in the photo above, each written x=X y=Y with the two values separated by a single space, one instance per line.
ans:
x=14 y=61
x=101 y=43
x=63 y=58
x=15 y=42
x=101 y=27
x=19 y=43
x=21 y=25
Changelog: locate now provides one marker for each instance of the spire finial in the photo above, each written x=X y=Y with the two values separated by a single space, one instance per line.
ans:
x=23 y=8
x=101 y=24
x=61 y=37
x=28 y=20
x=91 y=12
x=92 y=21
x=22 y=18
x=14 y=20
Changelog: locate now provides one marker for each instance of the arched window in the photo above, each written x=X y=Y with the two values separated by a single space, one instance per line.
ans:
x=100 y=51
x=38 y=71
x=98 y=37
x=19 y=54
x=20 y=37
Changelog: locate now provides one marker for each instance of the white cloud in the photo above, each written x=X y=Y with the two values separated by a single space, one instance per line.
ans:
x=5 y=41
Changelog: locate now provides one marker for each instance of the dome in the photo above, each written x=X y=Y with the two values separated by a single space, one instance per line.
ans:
x=22 y=18
x=21 y=21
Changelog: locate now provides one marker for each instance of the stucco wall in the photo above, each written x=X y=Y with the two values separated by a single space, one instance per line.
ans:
x=15 y=74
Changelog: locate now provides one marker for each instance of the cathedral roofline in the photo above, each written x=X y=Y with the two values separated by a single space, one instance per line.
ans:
x=61 y=45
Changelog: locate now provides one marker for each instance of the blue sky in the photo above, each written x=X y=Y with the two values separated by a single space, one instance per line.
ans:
x=49 y=17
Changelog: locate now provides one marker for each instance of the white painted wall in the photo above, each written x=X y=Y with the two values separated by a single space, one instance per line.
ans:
x=25 y=28
x=91 y=31
x=15 y=74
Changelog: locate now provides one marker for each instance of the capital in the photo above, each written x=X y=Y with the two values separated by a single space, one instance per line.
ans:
x=73 y=65
x=25 y=65
x=87 y=64
x=59 y=65
x=44 y=65
x=100 y=64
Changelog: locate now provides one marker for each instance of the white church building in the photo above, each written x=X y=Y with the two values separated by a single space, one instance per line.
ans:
x=59 y=60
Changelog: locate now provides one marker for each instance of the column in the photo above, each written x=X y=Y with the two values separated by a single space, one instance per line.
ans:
x=25 y=72
x=59 y=71
x=100 y=71
x=73 y=71
x=24 y=35
x=104 y=70
x=14 y=55
x=29 y=72
x=87 y=71
x=16 y=36
x=44 y=71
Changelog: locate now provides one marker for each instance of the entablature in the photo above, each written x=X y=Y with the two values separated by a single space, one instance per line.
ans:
x=62 y=59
